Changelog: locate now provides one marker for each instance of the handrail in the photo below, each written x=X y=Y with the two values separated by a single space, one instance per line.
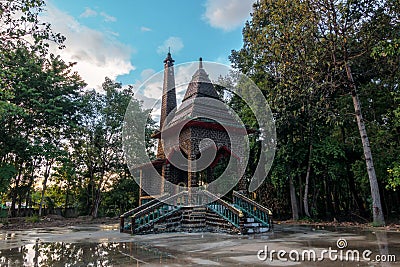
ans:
x=143 y=206
x=160 y=203
x=157 y=211
x=226 y=210
x=135 y=210
x=259 y=212
x=239 y=195
x=223 y=202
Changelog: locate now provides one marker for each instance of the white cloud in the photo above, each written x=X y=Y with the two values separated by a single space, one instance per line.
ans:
x=153 y=90
x=146 y=73
x=145 y=29
x=97 y=54
x=149 y=88
x=223 y=60
x=173 y=43
x=108 y=18
x=147 y=102
x=116 y=34
x=93 y=13
x=227 y=14
x=88 y=13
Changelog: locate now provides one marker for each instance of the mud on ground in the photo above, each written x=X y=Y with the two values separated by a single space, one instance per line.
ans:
x=24 y=223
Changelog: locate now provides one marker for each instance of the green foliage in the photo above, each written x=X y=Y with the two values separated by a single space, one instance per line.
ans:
x=123 y=196
x=3 y=214
x=394 y=177
x=32 y=219
x=297 y=52
x=7 y=171
x=97 y=146
x=21 y=26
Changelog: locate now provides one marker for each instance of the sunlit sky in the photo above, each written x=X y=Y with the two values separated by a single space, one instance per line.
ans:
x=128 y=40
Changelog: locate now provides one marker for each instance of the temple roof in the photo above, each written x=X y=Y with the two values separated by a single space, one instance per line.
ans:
x=200 y=85
x=201 y=103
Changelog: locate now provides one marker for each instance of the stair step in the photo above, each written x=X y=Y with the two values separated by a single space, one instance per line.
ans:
x=250 y=231
x=192 y=225
x=200 y=218
x=250 y=219
x=192 y=221
x=252 y=224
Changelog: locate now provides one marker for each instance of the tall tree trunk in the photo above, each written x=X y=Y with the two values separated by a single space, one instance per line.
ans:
x=42 y=196
x=46 y=177
x=293 y=199
x=300 y=198
x=66 y=203
x=305 y=198
x=329 y=208
x=96 y=203
x=377 y=212
x=15 y=192
x=350 y=177
x=315 y=198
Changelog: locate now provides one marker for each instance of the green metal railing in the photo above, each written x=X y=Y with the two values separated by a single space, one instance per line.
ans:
x=125 y=225
x=224 y=209
x=146 y=215
x=153 y=213
x=252 y=208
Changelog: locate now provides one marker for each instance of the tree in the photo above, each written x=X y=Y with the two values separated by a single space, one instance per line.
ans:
x=305 y=55
x=37 y=115
x=20 y=27
x=100 y=141
x=37 y=95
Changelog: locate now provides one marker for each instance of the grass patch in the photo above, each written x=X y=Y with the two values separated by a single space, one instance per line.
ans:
x=375 y=224
x=3 y=213
x=32 y=219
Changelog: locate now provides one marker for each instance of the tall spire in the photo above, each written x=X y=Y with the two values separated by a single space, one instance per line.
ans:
x=168 y=103
x=200 y=85
x=168 y=60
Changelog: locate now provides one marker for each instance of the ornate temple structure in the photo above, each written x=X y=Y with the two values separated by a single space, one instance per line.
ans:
x=195 y=141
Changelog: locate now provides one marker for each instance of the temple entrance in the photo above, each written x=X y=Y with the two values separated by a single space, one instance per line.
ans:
x=200 y=164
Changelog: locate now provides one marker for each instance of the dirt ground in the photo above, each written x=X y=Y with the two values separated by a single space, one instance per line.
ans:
x=391 y=226
x=104 y=245
x=24 y=223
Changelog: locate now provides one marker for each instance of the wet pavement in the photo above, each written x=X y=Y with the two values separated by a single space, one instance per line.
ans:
x=103 y=245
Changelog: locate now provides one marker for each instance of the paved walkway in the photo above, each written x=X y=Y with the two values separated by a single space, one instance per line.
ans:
x=103 y=245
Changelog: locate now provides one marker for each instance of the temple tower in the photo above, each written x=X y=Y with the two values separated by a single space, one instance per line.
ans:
x=168 y=102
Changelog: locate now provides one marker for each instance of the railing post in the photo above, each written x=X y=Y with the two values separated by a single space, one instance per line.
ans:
x=241 y=222
x=270 y=221
x=133 y=226
x=121 y=224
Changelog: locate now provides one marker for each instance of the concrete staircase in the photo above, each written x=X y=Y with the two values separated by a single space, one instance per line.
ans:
x=242 y=216
x=251 y=226
x=193 y=219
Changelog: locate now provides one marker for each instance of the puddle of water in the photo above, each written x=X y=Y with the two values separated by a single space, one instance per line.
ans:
x=103 y=245
x=84 y=254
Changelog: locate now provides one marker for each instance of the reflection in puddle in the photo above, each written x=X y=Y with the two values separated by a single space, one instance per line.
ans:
x=83 y=254
x=103 y=245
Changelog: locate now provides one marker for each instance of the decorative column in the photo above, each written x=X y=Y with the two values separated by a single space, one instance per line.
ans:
x=210 y=174
x=192 y=175
x=140 y=186
x=242 y=185
x=164 y=175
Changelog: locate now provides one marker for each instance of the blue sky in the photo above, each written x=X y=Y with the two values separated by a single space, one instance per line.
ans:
x=128 y=40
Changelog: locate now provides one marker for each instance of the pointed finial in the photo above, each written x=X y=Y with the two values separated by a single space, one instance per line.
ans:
x=200 y=63
x=168 y=60
x=169 y=50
